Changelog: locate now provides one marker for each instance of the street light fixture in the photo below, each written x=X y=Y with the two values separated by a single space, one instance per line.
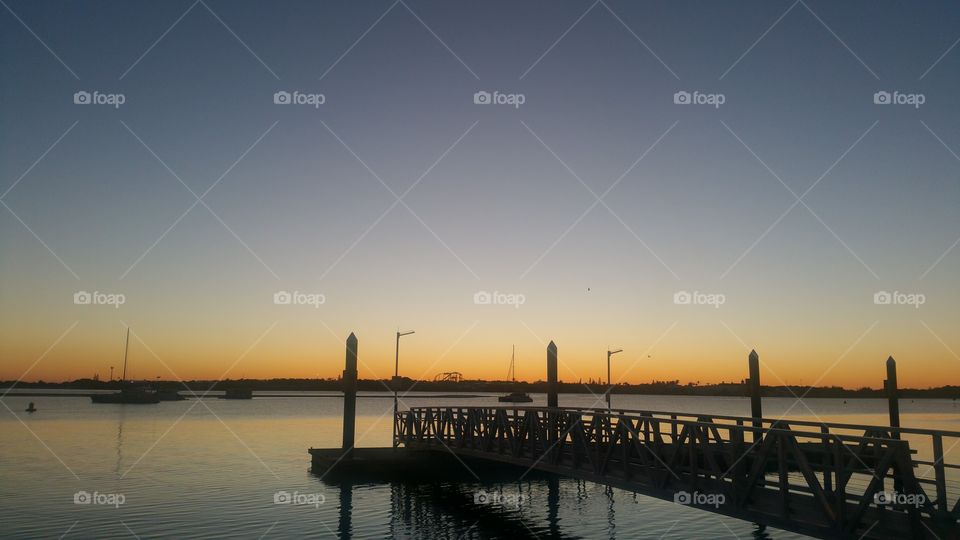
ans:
x=396 y=383
x=609 y=387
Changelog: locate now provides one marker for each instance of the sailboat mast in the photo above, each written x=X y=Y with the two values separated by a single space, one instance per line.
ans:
x=126 y=348
x=513 y=363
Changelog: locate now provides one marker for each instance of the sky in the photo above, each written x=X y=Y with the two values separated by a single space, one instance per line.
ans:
x=685 y=181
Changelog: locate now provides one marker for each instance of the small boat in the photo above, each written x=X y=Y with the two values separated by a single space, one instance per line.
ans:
x=128 y=394
x=514 y=397
x=31 y=408
x=237 y=393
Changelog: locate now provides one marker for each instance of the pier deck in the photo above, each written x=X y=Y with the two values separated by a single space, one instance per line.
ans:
x=825 y=480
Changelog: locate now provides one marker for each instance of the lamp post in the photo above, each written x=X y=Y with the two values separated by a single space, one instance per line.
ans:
x=396 y=383
x=609 y=387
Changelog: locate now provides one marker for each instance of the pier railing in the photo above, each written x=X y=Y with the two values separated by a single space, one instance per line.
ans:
x=825 y=479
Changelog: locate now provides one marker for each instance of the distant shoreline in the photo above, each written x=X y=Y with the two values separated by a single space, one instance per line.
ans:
x=216 y=394
x=473 y=389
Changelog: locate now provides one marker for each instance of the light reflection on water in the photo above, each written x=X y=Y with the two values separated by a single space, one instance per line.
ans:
x=189 y=471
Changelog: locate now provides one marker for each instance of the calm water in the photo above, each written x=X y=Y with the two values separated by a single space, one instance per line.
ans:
x=211 y=468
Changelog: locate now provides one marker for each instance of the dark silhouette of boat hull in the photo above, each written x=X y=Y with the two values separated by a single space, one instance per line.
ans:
x=515 y=397
x=137 y=397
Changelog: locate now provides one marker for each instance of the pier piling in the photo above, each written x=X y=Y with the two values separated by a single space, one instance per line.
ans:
x=350 y=396
x=553 y=419
x=756 y=408
x=552 y=375
x=890 y=385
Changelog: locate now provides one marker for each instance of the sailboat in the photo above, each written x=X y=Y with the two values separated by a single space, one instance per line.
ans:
x=127 y=394
x=514 y=397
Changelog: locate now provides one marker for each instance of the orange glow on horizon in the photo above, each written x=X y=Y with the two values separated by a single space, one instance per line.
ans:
x=673 y=358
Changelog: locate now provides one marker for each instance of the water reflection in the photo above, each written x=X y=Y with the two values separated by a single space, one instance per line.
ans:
x=120 y=422
x=553 y=505
x=760 y=532
x=345 y=524
x=450 y=510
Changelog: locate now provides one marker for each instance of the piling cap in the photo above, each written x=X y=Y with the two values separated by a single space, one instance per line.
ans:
x=351 y=337
x=552 y=345
x=754 y=355
x=891 y=361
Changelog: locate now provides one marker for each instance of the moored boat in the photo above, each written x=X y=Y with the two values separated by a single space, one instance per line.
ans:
x=128 y=394
x=514 y=397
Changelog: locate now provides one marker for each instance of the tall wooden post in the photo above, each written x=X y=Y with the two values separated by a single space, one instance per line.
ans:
x=893 y=406
x=350 y=396
x=551 y=375
x=890 y=385
x=756 y=408
x=552 y=417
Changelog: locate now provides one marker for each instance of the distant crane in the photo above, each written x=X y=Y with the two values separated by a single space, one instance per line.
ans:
x=451 y=376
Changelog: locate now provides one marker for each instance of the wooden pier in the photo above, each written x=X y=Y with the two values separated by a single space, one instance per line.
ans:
x=826 y=480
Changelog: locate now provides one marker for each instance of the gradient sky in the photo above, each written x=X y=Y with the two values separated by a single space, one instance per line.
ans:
x=508 y=201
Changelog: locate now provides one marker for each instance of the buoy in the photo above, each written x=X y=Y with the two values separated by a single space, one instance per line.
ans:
x=31 y=408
